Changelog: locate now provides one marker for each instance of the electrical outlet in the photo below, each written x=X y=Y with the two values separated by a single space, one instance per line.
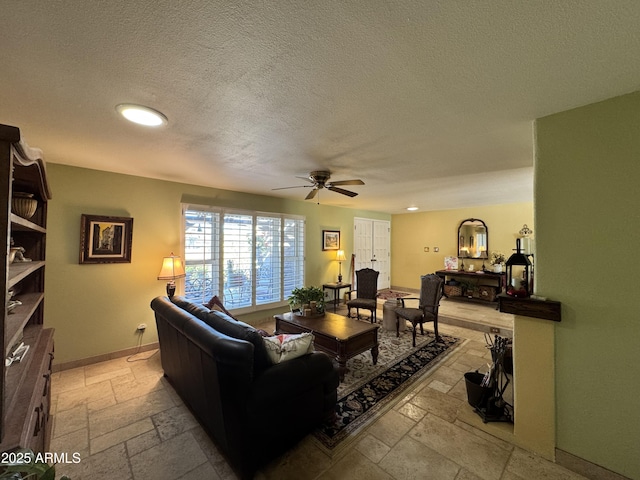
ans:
x=142 y=327
x=494 y=330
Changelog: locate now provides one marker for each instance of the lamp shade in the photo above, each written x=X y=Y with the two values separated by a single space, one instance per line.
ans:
x=172 y=268
x=340 y=256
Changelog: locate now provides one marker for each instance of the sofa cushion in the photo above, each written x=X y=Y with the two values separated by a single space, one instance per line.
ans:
x=281 y=348
x=242 y=331
x=194 y=309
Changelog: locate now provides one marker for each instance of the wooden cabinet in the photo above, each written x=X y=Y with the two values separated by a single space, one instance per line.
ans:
x=25 y=385
x=485 y=285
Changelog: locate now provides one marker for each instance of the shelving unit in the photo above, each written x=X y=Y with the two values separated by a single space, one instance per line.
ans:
x=25 y=386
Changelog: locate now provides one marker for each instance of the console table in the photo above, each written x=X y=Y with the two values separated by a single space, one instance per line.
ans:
x=498 y=280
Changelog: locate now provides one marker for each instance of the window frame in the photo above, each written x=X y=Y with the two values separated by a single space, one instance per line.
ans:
x=218 y=255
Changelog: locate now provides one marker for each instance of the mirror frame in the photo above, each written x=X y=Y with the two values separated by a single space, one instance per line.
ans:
x=461 y=239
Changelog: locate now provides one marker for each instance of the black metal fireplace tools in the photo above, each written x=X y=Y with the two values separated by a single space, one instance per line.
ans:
x=485 y=391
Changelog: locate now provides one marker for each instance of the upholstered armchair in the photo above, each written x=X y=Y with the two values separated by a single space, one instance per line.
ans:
x=427 y=311
x=367 y=293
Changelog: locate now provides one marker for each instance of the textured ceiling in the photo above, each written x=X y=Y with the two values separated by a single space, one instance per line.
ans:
x=430 y=103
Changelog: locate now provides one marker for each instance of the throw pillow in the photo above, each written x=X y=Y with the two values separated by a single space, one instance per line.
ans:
x=216 y=304
x=281 y=348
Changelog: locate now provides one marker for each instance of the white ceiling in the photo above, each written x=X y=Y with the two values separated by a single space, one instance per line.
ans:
x=429 y=102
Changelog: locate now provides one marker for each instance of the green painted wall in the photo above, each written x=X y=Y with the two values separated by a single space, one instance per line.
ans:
x=588 y=222
x=412 y=232
x=95 y=309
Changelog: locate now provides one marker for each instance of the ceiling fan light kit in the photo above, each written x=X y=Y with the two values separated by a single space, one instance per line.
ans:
x=319 y=179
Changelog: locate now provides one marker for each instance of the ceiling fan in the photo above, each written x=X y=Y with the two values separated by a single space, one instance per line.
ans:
x=319 y=179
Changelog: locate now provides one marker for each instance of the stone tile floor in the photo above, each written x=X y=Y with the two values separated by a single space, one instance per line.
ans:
x=126 y=422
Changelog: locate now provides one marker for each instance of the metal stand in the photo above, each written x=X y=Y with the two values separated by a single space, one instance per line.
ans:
x=494 y=408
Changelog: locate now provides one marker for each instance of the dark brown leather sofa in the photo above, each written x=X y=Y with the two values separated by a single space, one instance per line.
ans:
x=252 y=409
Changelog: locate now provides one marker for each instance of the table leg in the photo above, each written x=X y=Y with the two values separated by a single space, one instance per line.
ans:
x=342 y=367
x=335 y=300
x=374 y=354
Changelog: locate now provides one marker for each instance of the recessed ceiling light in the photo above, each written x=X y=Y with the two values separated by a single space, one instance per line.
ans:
x=412 y=209
x=141 y=115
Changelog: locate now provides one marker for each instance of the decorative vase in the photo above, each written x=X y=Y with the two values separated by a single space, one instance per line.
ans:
x=497 y=268
x=23 y=204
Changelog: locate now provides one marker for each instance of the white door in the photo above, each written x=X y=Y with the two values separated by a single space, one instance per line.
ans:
x=372 y=245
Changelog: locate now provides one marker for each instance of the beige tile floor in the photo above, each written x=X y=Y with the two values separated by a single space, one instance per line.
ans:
x=126 y=422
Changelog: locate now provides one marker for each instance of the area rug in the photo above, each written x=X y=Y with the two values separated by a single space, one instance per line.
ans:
x=368 y=389
x=391 y=294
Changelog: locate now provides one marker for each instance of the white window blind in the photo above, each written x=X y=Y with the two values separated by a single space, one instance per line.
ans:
x=248 y=259
x=201 y=253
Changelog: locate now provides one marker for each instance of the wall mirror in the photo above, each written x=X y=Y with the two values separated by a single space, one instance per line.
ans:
x=473 y=239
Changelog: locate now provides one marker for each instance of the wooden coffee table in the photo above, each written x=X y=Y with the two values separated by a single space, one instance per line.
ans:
x=339 y=336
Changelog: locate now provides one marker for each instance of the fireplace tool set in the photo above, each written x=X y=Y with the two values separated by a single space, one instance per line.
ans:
x=486 y=391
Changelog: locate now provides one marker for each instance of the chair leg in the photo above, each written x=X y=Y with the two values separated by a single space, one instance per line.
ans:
x=373 y=316
x=414 y=334
x=435 y=328
x=397 y=326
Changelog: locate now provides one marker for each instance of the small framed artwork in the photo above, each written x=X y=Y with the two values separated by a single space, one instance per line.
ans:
x=331 y=240
x=105 y=239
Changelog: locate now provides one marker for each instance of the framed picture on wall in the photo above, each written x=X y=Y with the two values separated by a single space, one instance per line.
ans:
x=105 y=239
x=331 y=240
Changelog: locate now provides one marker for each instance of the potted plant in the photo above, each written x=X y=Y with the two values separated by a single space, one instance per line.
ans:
x=306 y=299
x=497 y=259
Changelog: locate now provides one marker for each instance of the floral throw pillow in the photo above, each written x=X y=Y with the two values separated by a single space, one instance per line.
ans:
x=281 y=348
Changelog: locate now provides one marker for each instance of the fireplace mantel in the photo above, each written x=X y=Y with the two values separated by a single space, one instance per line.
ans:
x=529 y=307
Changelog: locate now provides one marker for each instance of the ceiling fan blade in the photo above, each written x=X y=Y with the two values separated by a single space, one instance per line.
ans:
x=305 y=178
x=312 y=194
x=296 y=186
x=342 y=191
x=348 y=182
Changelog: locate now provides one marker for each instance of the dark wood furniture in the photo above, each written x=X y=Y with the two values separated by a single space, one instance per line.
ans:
x=530 y=307
x=336 y=335
x=336 y=287
x=25 y=386
x=366 y=294
x=498 y=280
x=428 y=306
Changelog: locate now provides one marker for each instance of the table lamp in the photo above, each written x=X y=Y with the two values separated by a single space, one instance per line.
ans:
x=340 y=258
x=172 y=268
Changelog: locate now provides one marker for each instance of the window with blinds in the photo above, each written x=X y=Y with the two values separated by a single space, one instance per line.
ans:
x=248 y=259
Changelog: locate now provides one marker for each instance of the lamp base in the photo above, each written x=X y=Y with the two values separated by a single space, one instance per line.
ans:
x=171 y=289
x=339 y=278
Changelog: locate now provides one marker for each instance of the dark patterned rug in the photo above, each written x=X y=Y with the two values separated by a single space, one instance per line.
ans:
x=358 y=404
